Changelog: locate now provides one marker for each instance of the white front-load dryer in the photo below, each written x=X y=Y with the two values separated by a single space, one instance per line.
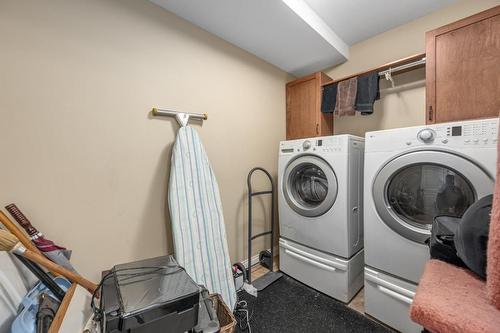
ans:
x=321 y=225
x=411 y=176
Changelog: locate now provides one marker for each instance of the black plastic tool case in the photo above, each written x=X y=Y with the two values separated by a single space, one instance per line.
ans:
x=152 y=295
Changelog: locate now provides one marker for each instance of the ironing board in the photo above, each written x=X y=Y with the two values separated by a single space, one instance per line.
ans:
x=197 y=220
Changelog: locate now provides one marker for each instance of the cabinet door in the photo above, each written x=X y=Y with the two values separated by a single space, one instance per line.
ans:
x=463 y=69
x=301 y=108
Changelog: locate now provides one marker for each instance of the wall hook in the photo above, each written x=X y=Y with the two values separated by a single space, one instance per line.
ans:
x=182 y=119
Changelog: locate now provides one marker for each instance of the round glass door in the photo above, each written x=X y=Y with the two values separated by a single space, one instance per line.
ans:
x=411 y=190
x=310 y=186
x=419 y=193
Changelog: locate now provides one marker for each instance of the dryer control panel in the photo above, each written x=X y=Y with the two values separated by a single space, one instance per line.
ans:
x=482 y=132
x=475 y=133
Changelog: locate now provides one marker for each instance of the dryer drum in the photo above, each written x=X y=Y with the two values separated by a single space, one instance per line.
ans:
x=418 y=193
x=412 y=189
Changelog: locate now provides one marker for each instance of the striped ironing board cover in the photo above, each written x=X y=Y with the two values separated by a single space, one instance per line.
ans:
x=199 y=232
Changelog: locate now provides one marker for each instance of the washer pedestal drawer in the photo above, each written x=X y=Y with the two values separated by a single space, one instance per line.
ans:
x=337 y=277
x=388 y=299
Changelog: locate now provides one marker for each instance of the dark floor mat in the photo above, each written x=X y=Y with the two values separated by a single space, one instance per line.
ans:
x=289 y=306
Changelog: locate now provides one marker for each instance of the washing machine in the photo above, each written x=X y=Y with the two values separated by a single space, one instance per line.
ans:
x=320 y=204
x=412 y=175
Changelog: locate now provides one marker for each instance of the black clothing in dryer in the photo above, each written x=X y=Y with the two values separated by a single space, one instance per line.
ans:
x=441 y=242
x=471 y=238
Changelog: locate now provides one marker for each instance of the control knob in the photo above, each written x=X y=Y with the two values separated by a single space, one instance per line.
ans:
x=306 y=145
x=426 y=135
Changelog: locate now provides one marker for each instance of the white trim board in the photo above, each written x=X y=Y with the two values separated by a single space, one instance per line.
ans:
x=255 y=259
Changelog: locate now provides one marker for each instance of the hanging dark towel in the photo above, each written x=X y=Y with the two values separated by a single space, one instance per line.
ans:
x=346 y=97
x=329 y=98
x=368 y=93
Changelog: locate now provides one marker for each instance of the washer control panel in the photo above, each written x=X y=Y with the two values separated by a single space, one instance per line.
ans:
x=316 y=145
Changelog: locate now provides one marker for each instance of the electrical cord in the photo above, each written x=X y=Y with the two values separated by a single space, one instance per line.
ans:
x=242 y=315
x=124 y=277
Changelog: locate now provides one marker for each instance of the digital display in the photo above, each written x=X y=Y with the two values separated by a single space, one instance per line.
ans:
x=289 y=150
x=320 y=143
x=456 y=131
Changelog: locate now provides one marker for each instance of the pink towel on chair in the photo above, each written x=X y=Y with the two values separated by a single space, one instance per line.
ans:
x=493 y=254
x=451 y=299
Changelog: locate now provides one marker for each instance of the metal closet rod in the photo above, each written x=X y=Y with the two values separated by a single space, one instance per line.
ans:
x=399 y=65
x=171 y=113
x=403 y=67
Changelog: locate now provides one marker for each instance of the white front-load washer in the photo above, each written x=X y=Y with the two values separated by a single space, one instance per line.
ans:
x=411 y=176
x=321 y=227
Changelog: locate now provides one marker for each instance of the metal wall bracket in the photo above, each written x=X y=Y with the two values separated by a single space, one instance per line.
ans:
x=181 y=117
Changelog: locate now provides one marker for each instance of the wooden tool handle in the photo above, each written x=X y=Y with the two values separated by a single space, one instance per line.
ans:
x=18 y=233
x=41 y=260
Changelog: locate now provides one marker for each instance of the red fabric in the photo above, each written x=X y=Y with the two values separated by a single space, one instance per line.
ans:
x=450 y=299
x=493 y=254
x=46 y=245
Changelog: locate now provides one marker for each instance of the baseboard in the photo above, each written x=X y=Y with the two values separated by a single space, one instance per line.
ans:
x=255 y=259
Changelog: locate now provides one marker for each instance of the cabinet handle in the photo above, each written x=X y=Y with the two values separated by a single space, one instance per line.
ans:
x=317 y=128
x=431 y=113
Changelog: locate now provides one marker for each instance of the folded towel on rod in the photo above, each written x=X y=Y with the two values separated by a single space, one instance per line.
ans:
x=346 y=97
x=367 y=93
x=329 y=98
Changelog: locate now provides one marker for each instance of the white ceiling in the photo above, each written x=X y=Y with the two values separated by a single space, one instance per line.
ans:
x=299 y=36
x=357 y=20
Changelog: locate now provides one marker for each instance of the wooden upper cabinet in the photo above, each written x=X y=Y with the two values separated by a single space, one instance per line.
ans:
x=463 y=69
x=303 y=108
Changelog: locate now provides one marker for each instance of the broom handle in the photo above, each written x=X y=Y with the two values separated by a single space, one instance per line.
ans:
x=18 y=233
x=41 y=260
x=12 y=227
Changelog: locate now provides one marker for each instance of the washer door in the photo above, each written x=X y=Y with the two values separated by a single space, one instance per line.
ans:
x=310 y=185
x=412 y=189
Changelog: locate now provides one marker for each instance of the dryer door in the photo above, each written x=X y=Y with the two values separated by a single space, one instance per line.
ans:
x=309 y=185
x=412 y=189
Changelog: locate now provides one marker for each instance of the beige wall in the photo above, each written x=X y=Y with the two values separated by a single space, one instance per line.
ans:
x=81 y=156
x=89 y=167
x=405 y=105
